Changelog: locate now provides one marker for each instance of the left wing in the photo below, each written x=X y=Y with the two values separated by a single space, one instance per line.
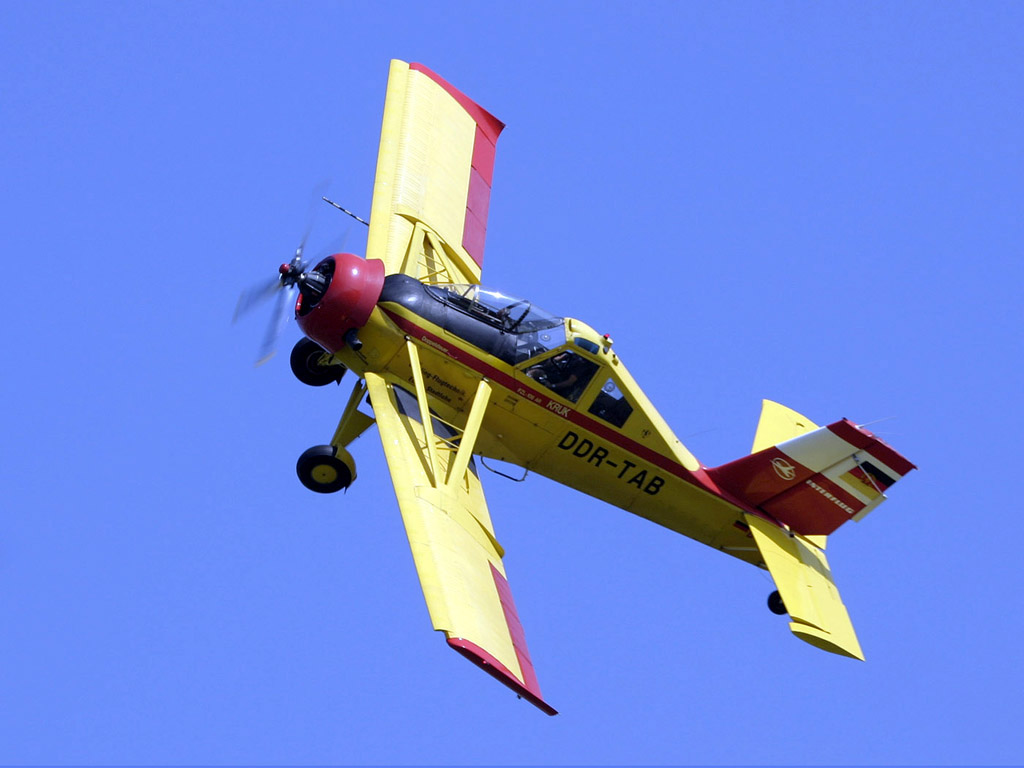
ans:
x=432 y=188
x=458 y=559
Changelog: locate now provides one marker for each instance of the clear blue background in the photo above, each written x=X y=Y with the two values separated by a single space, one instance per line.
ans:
x=820 y=203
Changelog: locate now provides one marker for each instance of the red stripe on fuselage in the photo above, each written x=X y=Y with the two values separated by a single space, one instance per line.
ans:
x=698 y=478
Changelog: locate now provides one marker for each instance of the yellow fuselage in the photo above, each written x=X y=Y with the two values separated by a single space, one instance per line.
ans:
x=639 y=466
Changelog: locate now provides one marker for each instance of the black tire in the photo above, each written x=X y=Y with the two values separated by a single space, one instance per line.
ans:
x=305 y=361
x=775 y=604
x=320 y=470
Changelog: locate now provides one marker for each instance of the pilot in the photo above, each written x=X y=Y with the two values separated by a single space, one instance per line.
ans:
x=559 y=373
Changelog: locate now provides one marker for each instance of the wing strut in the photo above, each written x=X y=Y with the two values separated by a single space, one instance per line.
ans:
x=476 y=416
x=421 y=397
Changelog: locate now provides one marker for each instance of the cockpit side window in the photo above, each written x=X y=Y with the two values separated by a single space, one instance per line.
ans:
x=611 y=404
x=566 y=374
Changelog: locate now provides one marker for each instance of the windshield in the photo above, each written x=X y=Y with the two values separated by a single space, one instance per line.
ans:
x=506 y=312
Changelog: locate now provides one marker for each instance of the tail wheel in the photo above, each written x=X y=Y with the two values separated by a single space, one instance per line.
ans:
x=305 y=362
x=775 y=604
x=325 y=469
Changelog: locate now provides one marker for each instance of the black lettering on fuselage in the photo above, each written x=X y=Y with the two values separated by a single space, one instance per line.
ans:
x=583 y=448
x=654 y=486
x=597 y=455
x=638 y=478
x=568 y=441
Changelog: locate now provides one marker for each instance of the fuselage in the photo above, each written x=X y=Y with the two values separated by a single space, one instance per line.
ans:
x=563 y=404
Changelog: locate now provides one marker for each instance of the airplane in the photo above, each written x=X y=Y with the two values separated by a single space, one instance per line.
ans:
x=454 y=371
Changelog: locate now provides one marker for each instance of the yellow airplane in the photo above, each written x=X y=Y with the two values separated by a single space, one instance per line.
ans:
x=454 y=370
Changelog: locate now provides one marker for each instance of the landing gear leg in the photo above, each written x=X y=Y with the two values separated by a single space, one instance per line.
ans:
x=330 y=468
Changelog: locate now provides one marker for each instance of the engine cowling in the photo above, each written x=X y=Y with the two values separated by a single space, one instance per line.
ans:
x=353 y=288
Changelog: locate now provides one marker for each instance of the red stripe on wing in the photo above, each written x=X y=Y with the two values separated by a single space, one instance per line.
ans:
x=499 y=672
x=528 y=687
x=515 y=630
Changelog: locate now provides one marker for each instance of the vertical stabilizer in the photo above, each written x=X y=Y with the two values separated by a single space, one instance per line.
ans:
x=778 y=424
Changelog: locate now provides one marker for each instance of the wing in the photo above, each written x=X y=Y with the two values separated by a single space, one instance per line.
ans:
x=458 y=559
x=433 y=184
x=804 y=581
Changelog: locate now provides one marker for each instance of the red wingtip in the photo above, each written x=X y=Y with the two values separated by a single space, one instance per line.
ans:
x=499 y=672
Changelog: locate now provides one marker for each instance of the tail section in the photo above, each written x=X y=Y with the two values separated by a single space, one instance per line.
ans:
x=816 y=478
x=811 y=480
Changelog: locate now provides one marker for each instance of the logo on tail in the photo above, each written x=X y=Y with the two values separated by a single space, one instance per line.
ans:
x=783 y=468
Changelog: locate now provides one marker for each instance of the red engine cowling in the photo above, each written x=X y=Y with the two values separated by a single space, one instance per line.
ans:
x=354 y=288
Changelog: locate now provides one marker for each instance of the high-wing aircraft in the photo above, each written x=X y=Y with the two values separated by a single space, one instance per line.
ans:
x=454 y=371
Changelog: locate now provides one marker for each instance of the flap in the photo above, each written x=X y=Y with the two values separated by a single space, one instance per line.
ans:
x=802 y=576
x=458 y=559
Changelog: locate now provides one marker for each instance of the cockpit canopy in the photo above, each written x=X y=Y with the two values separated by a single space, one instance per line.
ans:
x=535 y=330
x=506 y=312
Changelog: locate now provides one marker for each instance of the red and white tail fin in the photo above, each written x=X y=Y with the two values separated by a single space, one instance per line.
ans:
x=816 y=480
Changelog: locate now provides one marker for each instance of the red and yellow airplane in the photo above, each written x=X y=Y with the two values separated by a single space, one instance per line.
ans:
x=455 y=370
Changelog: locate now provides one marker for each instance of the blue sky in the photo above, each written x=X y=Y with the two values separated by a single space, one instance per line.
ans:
x=819 y=203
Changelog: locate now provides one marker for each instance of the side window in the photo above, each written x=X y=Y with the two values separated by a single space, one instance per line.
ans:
x=611 y=405
x=566 y=374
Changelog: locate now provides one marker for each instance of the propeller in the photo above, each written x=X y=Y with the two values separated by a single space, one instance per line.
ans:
x=291 y=276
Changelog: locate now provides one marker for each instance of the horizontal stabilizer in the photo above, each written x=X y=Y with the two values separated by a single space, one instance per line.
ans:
x=804 y=581
x=818 y=480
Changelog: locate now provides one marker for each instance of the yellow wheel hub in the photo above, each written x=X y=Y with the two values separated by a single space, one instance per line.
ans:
x=324 y=474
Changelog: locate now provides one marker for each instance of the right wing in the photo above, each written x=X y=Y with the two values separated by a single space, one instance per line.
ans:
x=458 y=559
x=433 y=184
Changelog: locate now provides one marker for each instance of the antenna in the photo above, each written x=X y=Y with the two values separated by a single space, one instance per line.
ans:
x=346 y=210
x=877 y=421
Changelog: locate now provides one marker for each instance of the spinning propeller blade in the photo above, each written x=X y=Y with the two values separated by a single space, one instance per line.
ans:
x=278 y=320
x=285 y=286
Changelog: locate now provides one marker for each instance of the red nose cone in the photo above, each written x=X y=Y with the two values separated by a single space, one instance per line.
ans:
x=350 y=298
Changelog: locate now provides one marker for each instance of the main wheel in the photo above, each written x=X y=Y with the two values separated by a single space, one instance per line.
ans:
x=775 y=604
x=305 y=361
x=321 y=469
